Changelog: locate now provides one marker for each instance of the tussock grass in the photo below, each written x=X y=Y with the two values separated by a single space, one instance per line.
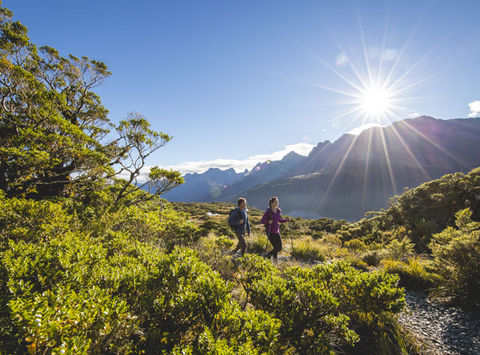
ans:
x=308 y=250
x=412 y=273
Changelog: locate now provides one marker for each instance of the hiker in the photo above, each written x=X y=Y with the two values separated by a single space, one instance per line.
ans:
x=272 y=219
x=240 y=224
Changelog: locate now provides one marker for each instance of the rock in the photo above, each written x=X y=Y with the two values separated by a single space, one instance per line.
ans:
x=446 y=329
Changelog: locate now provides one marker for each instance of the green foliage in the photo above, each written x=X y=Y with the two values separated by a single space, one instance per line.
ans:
x=186 y=295
x=428 y=208
x=238 y=332
x=327 y=225
x=373 y=257
x=325 y=307
x=355 y=244
x=155 y=222
x=356 y=262
x=31 y=221
x=413 y=274
x=258 y=243
x=400 y=250
x=69 y=321
x=108 y=291
x=210 y=225
x=214 y=251
x=308 y=250
x=332 y=239
x=456 y=253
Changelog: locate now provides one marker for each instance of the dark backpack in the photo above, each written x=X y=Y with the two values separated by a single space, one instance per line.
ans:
x=232 y=220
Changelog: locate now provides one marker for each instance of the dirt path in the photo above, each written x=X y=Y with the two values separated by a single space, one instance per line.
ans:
x=441 y=329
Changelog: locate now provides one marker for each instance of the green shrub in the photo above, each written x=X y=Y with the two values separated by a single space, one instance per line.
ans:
x=356 y=245
x=356 y=262
x=68 y=321
x=238 y=332
x=308 y=250
x=400 y=250
x=373 y=257
x=307 y=310
x=326 y=307
x=456 y=253
x=155 y=222
x=332 y=239
x=28 y=220
x=317 y=235
x=258 y=243
x=412 y=273
x=214 y=251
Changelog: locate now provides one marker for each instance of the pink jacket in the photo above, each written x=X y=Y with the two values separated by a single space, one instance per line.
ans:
x=274 y=227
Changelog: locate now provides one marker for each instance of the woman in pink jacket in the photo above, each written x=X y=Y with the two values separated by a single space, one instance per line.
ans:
x=272 y=219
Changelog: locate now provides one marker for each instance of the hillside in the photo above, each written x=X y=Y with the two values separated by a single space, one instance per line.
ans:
x=356 y=174
x=351 y=176
x=205 y=186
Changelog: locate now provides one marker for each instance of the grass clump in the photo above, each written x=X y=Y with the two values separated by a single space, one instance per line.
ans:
x=308 y=250
x=355 y=245
x=413 y=274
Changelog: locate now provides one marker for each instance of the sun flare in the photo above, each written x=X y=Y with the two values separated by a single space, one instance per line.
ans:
x=375 y=101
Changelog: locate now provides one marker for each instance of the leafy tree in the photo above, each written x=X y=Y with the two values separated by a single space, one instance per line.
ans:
x=53 y=126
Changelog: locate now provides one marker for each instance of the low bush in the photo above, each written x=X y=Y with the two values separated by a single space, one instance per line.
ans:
x=108 y=292
x=413 y=274
x=356 y=245
x=456 y=253
x=356 y=262
x=400 y=250
x=332 y=239
x=258 y=243
x=215 y=251
x=373 y=257
x=308 y=250
x=325 y=307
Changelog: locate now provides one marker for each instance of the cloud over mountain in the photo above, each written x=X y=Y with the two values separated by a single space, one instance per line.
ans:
x=241 y=165
x=474 y=109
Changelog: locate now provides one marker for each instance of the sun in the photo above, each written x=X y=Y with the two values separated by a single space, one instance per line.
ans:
x=375 y=101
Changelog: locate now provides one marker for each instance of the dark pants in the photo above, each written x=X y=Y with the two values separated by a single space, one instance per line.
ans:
x=242 y=244
x=276 y=241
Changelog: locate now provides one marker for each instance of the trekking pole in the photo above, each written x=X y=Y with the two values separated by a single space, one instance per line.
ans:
x=268 y=236
x=290 y=234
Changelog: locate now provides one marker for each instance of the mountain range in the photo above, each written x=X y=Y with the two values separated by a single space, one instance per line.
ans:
x=350 y=176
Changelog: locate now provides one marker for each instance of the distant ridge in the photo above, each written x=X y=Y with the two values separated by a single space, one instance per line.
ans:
x=352 y=175
x=209 y=183
x=356 y=174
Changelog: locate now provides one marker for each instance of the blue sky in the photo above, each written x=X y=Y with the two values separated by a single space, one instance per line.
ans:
x=236 y=81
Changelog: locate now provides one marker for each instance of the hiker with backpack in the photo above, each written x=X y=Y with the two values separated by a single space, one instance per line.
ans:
x=238 y=221
x=271 y=220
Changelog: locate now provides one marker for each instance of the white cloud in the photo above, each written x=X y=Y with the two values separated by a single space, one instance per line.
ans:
x=341 y=60
x=360 y=129
x=474 y=109
x=414 y=115
x=239 y=165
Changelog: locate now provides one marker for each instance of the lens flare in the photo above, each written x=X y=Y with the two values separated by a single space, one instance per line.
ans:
x=376 y=85
x=375 y=101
